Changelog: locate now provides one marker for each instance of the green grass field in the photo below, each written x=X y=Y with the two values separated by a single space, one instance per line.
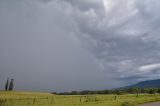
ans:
x=14 y=98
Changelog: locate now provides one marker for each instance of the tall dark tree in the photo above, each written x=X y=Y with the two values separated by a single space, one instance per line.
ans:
x=7 y=84
x=11 y=85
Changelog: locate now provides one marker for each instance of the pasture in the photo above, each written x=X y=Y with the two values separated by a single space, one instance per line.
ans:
x=14 y=98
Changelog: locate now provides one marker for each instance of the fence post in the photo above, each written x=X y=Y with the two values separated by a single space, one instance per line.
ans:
x=115 y=97
x=34 y=100
x=52 y=100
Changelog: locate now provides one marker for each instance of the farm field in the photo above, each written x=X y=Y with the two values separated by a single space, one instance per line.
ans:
x=14 y=98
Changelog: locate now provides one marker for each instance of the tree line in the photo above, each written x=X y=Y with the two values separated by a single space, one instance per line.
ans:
x=116 y=91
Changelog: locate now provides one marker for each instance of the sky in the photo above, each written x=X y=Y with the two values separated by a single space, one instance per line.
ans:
x=65 y=45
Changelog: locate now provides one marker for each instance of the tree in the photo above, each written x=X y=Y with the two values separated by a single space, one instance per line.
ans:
x=11 y=85
x=7 y=84
x=158 y=90
x=153 y=90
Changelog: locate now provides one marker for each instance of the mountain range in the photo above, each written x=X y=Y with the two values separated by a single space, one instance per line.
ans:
x=146 y=84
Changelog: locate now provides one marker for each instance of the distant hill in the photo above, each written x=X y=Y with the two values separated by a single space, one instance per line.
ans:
x=146 y=84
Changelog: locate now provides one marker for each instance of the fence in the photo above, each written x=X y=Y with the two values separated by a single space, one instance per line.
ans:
x=26 y=101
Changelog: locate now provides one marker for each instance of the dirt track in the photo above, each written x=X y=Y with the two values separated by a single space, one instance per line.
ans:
x=151 y=104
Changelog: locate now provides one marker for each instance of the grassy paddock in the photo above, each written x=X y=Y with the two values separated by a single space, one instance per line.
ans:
x=44 y=99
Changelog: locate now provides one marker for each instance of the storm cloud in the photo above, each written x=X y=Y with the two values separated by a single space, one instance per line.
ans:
x=63 y=45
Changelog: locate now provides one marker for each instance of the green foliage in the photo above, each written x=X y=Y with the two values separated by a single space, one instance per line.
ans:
x=127 y=104
x=117 y=91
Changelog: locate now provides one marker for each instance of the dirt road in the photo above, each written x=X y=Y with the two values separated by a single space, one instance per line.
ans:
x=151 y=104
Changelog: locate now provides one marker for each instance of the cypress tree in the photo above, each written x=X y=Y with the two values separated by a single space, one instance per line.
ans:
x=11 y=85
x=7 y=84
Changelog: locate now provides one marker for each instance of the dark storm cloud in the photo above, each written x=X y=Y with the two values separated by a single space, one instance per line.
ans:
x=124 y=38
x=78 y=44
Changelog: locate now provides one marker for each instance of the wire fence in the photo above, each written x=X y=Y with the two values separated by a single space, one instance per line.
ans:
x=26 y=101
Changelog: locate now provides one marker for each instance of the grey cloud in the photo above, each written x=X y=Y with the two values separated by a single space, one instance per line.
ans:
x=126 y=31
x=85 y=5
x=39 y=49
